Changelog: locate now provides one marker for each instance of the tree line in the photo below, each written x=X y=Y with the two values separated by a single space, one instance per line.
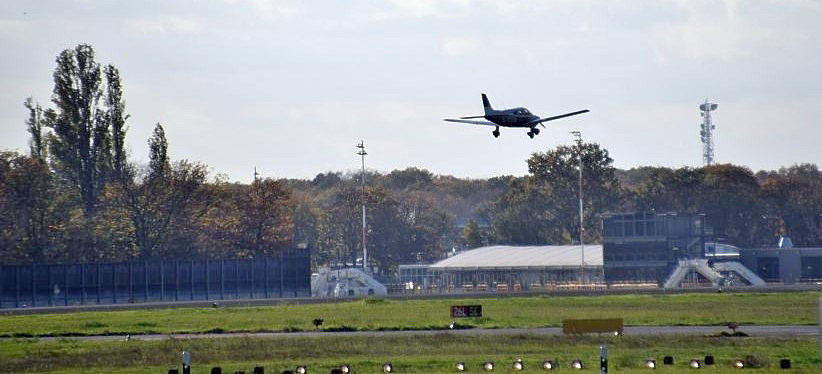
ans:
x=76 y=197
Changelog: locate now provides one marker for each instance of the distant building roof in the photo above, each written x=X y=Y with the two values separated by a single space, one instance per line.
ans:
x=505 y=256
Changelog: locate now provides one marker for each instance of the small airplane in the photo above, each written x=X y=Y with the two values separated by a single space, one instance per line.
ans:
x=516 y=117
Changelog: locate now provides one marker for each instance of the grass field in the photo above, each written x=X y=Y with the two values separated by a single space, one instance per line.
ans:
x=433 y=354
x=422 y=354
x=793 y=308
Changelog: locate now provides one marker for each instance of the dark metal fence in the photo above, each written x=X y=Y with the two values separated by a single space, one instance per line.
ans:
x=281 y=276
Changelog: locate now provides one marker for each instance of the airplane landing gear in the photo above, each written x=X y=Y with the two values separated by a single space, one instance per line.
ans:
x=535 y=131
x=530 y=134
x=495 y=132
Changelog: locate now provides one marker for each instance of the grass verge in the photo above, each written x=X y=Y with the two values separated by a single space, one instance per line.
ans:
x=791 y=308
x=418 y=354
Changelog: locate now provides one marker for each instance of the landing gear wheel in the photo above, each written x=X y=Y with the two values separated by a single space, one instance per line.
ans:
x=530 y=135
x=495 y=133
x=535 y=131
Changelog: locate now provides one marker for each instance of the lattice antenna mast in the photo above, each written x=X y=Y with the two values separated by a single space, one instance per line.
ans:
x=707 y=132
x=362 y=154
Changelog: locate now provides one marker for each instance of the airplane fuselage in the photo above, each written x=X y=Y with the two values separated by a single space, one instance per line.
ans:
x=517 y=117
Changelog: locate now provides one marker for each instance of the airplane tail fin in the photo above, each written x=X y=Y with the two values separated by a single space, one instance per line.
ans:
x=486 y=104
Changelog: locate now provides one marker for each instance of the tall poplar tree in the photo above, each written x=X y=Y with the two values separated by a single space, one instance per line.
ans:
x=35 y=127
x=116 y=119
x=81 y=146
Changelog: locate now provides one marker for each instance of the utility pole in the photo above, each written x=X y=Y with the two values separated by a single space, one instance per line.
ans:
x=578 y=136
x=362 y=154
x=256 y=174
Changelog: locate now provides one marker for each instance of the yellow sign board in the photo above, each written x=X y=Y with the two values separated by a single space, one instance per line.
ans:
x=587 y=326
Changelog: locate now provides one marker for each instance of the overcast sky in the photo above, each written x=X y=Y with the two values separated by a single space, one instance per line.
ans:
x=292 y=86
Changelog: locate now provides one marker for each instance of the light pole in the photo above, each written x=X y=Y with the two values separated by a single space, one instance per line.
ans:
x=362 y=154
x=578 y=136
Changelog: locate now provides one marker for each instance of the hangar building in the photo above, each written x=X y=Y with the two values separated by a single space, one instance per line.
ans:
x=502 y=268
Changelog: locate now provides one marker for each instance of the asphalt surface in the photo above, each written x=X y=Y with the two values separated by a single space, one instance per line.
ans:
x=754 y=331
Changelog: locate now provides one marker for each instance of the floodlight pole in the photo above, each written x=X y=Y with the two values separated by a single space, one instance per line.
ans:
x=578 y=136
x=362 y=154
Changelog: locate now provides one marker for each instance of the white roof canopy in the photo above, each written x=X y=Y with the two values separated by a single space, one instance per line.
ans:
x=504 y=256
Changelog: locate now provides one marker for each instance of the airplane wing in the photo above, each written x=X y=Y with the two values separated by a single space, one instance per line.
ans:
x=541 y=120
x=484 y=123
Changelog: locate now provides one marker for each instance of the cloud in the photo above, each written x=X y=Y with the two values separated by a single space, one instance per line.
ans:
x=727 y=33
x=274 y=9
x=164 y=24
x=418 y=8
x=9 y=26
x=422 y=9
x=269 y=9
x=454 y=46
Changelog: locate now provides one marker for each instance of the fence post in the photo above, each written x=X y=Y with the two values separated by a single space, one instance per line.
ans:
x=222 y=279
x=50 y=285
x=176 y=280
x=33 y=286
x=281 y=274
x=191 y=280
x=65 y=285
x=145 y=279
x=17 y=288
x=163 y=280
x=296 y=279
x=266 y=275
x=2 y=285
x=207 y=280
x=306 y=259
x=114 y=282
x=99 y=283
x=130 y=283
x=82 y=284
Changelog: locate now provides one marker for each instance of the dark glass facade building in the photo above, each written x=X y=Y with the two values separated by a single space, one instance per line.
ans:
x=646 y=247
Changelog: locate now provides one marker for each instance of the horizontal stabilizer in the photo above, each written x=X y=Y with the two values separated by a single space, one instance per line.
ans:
x=469 y=117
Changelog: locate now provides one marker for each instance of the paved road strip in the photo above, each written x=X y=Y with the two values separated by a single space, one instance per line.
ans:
x=766 y=330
